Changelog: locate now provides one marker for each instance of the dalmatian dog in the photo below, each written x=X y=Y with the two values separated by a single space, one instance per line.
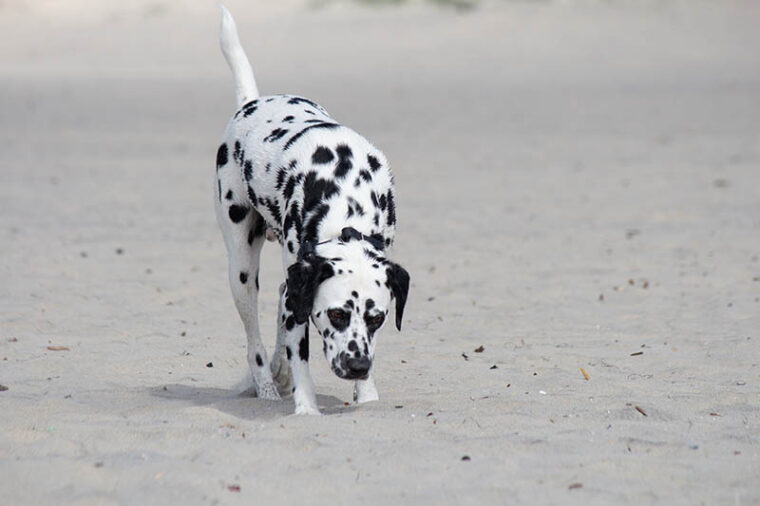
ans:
x=286 y=169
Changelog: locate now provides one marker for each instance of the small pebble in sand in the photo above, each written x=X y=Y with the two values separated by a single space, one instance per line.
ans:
x=58 y=348
x=494 y=367
x=574 y=486
x=479 y=349
x=119 y=251
x=210 y=364
x=3 y=388
x=585 y=374
x=233 y=488
x=466 y=458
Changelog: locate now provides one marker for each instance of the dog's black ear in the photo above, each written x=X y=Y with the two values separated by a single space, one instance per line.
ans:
x=304 y=278
x=398 y=280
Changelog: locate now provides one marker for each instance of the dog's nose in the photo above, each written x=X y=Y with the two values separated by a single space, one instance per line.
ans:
x=358 y=367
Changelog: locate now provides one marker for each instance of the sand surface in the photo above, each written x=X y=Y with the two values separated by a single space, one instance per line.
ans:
x=578 y=187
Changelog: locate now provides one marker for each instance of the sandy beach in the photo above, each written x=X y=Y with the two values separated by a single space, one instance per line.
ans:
x=579 y=208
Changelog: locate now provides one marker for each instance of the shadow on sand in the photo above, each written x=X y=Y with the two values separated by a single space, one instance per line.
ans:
x=243 y=404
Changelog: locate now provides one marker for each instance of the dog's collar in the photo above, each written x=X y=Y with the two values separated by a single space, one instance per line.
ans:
x=347 y=234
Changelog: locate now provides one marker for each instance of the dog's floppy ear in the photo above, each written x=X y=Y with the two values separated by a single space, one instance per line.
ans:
x=398 y=281
x=304 y=277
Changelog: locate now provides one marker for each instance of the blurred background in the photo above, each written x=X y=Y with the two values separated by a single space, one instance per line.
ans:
x=577 y=181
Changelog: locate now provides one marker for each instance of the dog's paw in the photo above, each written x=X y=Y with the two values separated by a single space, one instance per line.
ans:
x=307 y=410
x=268 y=392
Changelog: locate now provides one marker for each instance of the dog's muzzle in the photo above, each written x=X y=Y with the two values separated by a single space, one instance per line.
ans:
x=356 y=368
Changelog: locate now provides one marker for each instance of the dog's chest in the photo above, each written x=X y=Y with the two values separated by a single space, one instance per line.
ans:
x=306 y=174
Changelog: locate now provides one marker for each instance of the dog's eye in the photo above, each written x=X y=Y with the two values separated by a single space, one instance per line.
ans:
x=374 y=322
x=338 y=317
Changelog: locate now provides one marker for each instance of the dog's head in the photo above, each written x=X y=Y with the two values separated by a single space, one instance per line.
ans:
x=347 y=287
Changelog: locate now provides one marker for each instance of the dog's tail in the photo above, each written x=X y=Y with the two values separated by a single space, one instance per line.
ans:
x=245 y=83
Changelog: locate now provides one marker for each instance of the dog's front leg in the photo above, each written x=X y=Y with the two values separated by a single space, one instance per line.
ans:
x=365 y=390
x=280 y=365
x=296 y=339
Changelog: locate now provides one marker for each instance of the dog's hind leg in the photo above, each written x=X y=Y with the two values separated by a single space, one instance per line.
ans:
x=244 y=233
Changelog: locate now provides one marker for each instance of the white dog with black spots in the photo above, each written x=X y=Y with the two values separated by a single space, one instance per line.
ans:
x=286 y=169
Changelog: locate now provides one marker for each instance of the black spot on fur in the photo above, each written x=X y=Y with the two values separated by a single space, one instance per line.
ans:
x=383 y=202
x=259 y=362
x=303 y=348
x=251 y=194
x=301 y=100
x=391 y=220
x=355 y=294
x=247 y=170
x=257 y=281
x=275 y=134
x=288 y=353
x=290 y=245
x=349 y=211
x=316 y=190
x=297 y=136
x=322 y=155
x=222 y=155
x=364 y=174
x=296 y=217
x=352 y=346
x=219 y=187
x=344 y=161
x=313 y=222
x=244 y=277
x=290 y=186
x=288 y=119
x=290 y=322
x=355 y=207
x=375 y=202
x=374 y=164
x=237 y=155
x=282 y=173
x=274 y=210
x=238 y=213
x=228 y=196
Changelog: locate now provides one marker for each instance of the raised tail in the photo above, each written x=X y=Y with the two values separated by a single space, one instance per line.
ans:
x=245 y=83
